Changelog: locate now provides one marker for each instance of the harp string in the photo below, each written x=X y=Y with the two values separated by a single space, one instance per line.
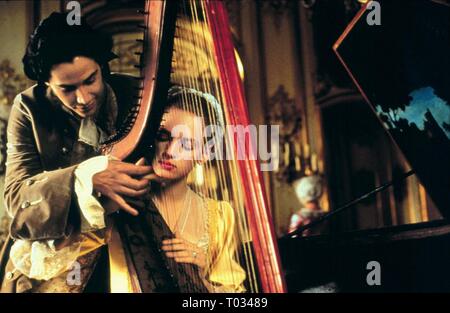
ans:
x=193 y=82
x=200 y=43
x=221 y=180
x=232 y=169
x=243 y=229
x=187 y=99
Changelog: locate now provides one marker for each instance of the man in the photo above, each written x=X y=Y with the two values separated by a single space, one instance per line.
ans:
x=53 y=168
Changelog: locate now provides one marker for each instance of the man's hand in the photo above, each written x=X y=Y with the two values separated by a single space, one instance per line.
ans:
x=120 y=180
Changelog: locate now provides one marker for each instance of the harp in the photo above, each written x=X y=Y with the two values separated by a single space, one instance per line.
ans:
x=189 y=43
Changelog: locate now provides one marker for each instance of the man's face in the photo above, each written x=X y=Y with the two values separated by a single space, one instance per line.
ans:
x=79 y=85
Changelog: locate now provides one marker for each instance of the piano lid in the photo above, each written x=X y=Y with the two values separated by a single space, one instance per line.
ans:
x=402 y=69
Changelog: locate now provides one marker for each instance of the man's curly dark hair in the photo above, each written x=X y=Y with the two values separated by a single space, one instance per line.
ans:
x=54 y=41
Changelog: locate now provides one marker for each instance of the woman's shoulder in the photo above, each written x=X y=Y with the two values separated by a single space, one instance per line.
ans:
x=220 y=212
x=218 y=206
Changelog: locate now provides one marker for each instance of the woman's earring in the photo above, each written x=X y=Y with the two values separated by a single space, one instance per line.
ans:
x=199 y=174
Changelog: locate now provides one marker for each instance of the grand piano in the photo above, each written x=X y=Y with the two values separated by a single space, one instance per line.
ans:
x=402 y=69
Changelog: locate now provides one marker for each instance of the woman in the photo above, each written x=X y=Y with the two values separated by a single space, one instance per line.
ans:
x=203 y=228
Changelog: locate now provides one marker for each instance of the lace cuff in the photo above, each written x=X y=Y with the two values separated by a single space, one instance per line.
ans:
x=41 y=260
x=92 y=212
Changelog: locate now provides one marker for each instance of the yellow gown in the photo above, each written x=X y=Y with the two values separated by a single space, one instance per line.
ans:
x=222 y=273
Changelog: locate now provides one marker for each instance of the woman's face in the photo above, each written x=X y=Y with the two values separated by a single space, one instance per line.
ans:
x=178 y=144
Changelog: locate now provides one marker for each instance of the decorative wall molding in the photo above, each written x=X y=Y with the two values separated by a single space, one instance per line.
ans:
x=283 y=111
